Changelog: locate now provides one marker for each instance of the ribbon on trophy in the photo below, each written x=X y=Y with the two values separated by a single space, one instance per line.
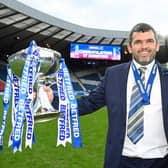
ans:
x=15 y=98
x=6 y=105
x=24 y=103
x=68 y=123
x=32 y=75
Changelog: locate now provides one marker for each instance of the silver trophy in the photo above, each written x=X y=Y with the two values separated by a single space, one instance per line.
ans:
x=49 y=63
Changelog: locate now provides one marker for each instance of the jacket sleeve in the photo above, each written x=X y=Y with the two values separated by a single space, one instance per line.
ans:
x=95 y=100
x=90 y=103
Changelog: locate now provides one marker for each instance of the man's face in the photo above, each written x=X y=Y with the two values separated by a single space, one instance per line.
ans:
x=143 y=47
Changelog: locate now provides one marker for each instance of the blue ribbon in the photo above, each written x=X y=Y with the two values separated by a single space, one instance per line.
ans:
x=32 y=74
x=18 y=127
x=6 y=105
x=63 y=126
x=75 y=124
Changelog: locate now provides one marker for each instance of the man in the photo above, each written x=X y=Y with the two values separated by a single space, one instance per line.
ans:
x=147 y=146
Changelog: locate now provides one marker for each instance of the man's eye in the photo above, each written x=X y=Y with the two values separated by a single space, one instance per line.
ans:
x=137 y=42
x=150 y=41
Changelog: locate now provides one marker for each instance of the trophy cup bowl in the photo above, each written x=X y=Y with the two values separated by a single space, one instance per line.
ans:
x=49 y=63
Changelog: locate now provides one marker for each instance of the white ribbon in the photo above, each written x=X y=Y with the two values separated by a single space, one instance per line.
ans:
x=64 y=129
x=68 y=106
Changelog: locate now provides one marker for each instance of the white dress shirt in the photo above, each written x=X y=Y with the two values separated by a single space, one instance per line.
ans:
x=153 y=144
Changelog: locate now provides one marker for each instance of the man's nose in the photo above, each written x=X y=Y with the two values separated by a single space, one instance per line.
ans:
x=144 y=45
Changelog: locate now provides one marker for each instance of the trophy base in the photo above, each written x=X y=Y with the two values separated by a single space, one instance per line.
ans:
x=44 y=117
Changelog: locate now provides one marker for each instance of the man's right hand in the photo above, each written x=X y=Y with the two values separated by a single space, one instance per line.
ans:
x=49 y=92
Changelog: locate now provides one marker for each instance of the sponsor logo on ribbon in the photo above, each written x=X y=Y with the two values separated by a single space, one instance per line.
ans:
x=24 y=106
x=68 y=123
x=6 y=105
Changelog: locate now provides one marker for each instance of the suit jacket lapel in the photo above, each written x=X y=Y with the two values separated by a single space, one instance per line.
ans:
x=123 y=86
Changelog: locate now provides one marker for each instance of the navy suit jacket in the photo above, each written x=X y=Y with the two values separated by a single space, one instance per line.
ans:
x=112 y=93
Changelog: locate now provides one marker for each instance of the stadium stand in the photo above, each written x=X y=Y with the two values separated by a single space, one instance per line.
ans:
x=2 y=85
x=3 y=70
x=19 y=24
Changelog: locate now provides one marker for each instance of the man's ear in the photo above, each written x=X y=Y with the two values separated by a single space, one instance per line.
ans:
x=158 y=47
x=129 y=48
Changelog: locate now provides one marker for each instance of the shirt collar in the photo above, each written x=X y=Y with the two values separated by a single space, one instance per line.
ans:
x=148 y=67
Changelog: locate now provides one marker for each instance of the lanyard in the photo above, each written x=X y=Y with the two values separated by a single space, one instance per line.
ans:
x=145 y=92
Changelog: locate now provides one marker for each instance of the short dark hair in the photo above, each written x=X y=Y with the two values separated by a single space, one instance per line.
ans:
x=142 y=27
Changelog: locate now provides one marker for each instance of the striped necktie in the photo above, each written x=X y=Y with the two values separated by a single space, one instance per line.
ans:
x=136 y=113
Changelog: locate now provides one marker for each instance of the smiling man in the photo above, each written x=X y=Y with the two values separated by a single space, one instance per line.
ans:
x=135 y=94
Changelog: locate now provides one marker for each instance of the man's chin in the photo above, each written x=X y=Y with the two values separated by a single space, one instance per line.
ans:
x=145 y=62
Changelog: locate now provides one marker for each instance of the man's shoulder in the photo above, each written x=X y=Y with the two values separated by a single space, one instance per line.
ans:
x=119 y=66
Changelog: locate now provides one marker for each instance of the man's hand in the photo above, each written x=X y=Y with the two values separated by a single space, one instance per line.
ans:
x=49 y=92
